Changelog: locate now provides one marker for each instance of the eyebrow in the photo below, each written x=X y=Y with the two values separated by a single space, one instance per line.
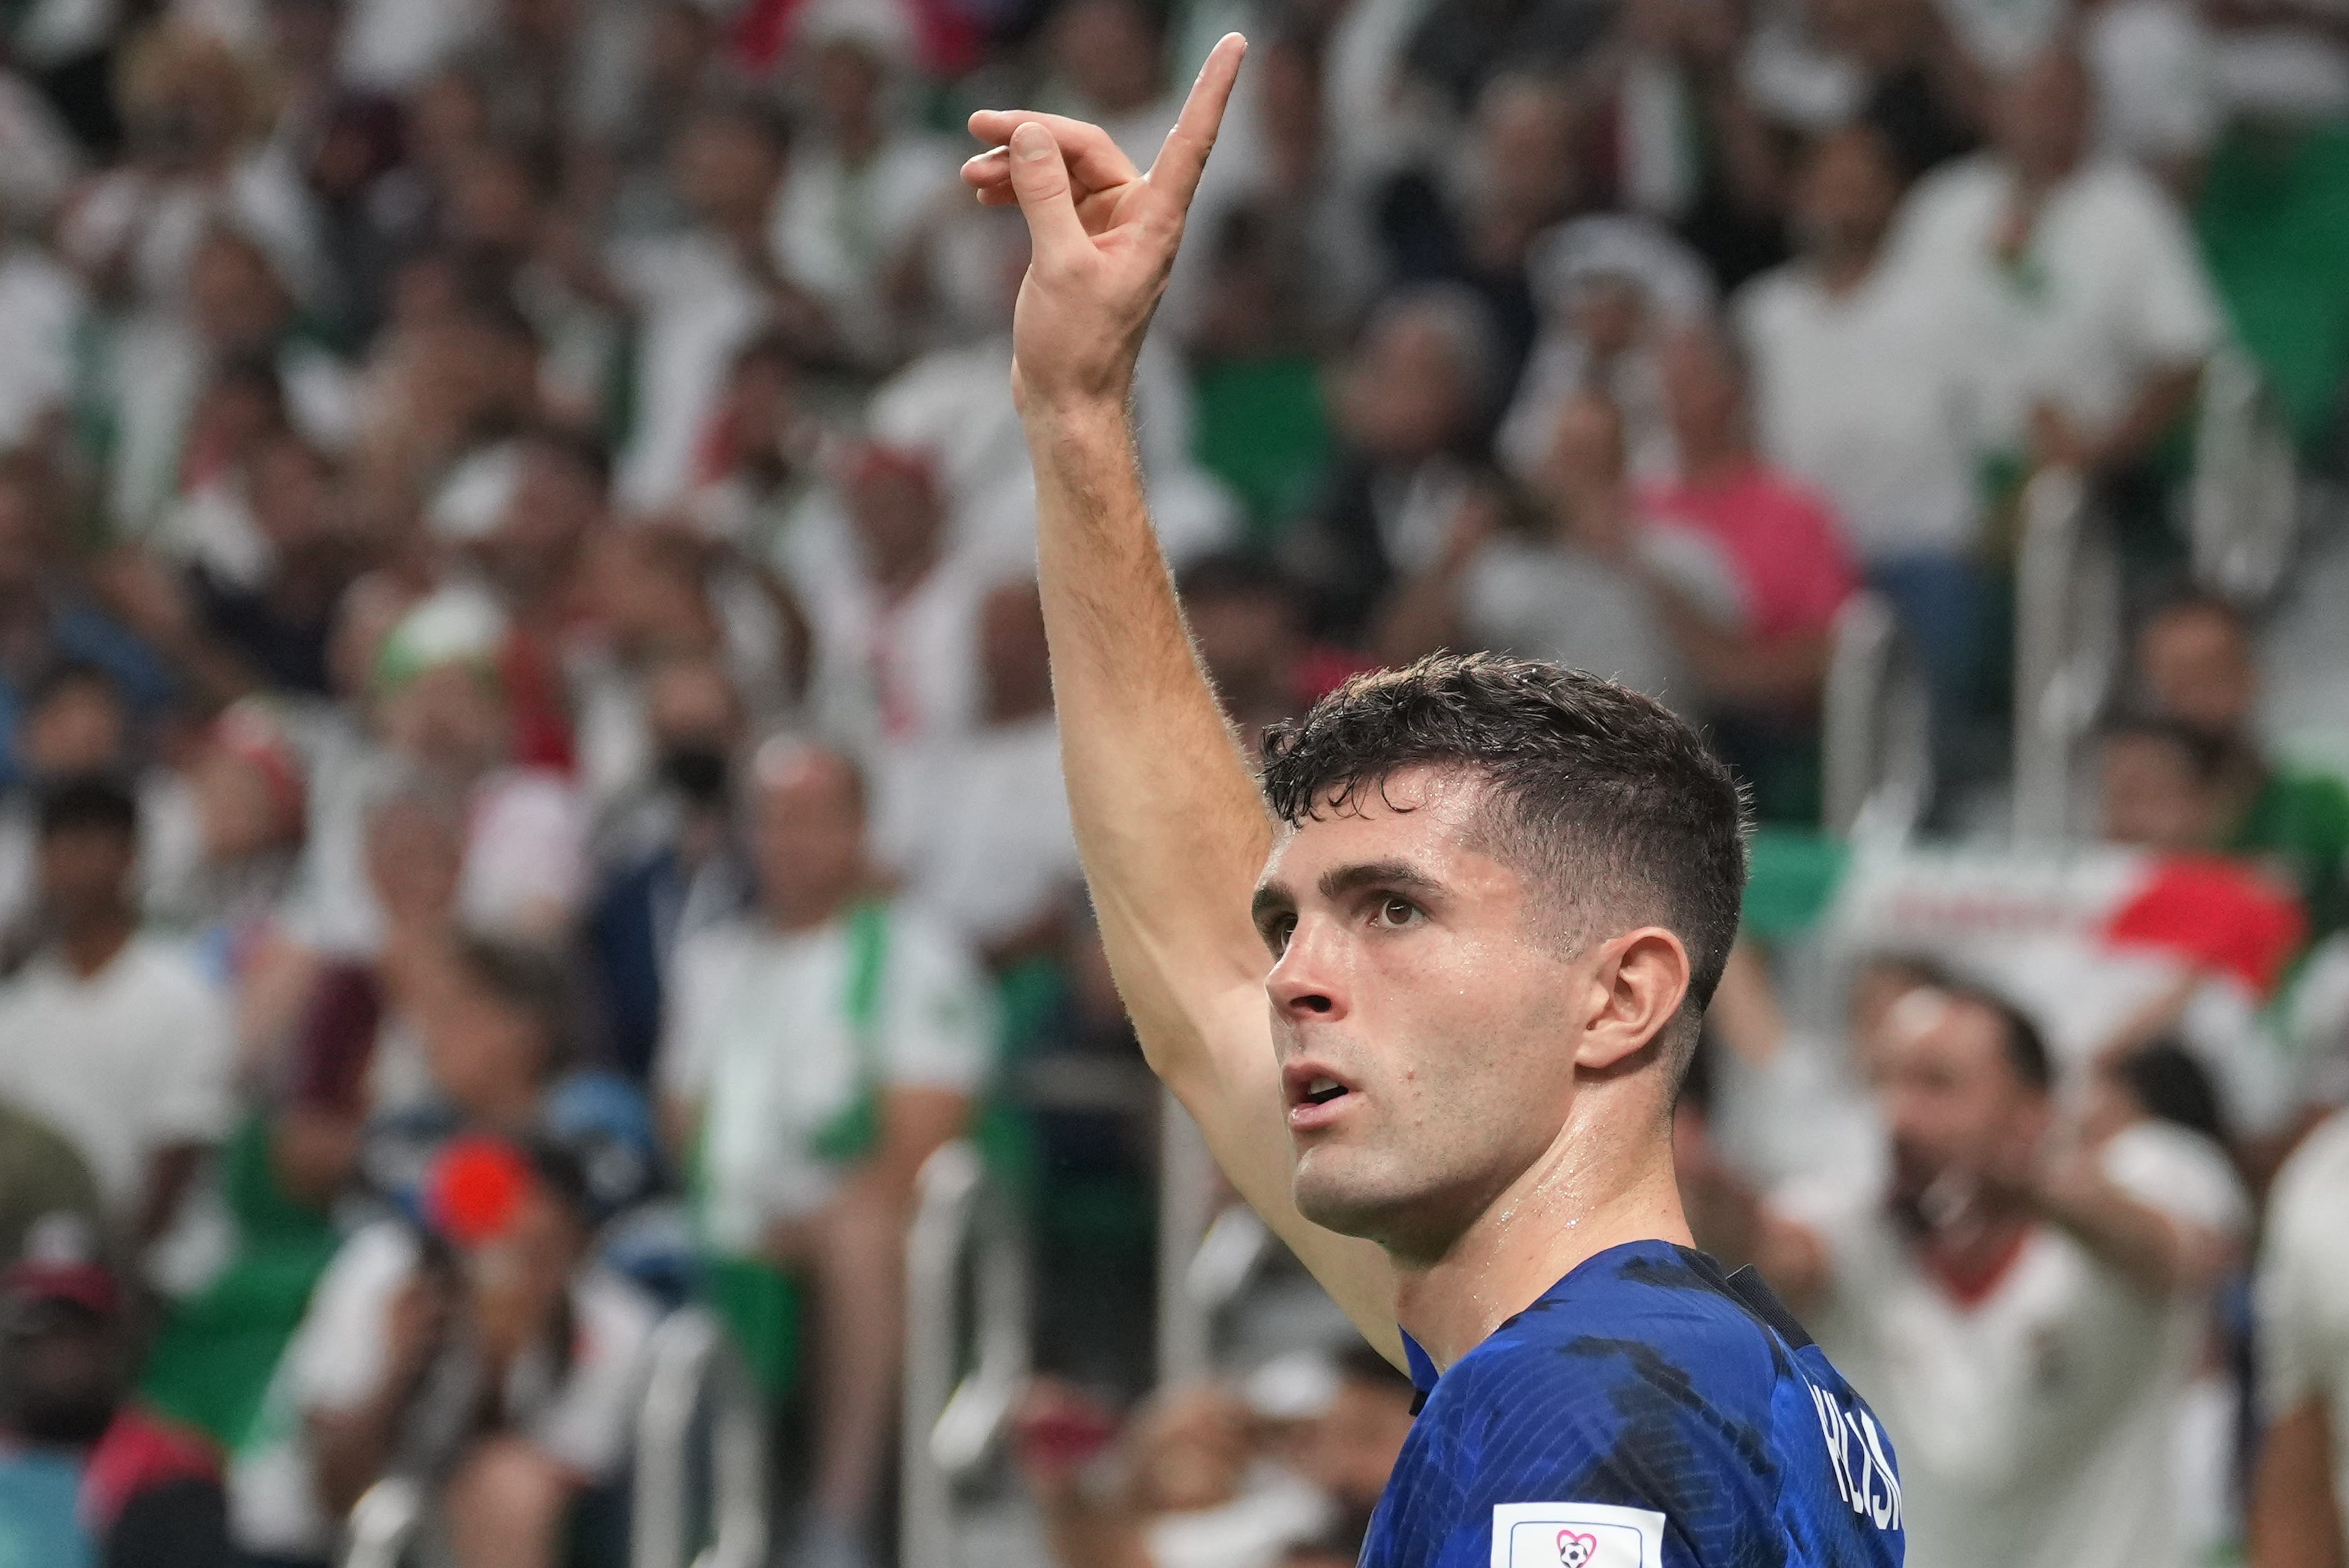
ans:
x=1274 y=898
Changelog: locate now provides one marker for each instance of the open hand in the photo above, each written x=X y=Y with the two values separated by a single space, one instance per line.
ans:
x=1103 y=236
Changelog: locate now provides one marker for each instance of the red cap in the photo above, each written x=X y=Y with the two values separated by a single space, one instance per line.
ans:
x=88 y=1286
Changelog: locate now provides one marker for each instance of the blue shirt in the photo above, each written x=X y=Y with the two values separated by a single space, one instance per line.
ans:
x=1649 y=1411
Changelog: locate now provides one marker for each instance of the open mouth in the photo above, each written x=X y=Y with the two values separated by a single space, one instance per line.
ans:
x=1322 y=1091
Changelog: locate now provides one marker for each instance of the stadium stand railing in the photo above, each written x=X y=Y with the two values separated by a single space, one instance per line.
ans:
x=1876 y=732
x=697 y=1387
x=2067 y=648
x=967 y=1353
x=2244 y=505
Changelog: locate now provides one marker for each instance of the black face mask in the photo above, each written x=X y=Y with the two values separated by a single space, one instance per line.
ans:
x=694 y=770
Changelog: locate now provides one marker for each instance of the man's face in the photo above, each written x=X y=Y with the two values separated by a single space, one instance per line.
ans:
x=2199 y=667
x=61 y=1373
x=1849 y=190
x=2151 y=797
x=86 y=871
x=2043 y=116
x=1952 y=1099
x=1423 y=1023
x=808 y=836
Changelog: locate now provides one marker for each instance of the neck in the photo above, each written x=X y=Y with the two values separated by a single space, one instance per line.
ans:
x=1586 y=1194
x=90 y=943
x=1845 y=267
x=798 y=916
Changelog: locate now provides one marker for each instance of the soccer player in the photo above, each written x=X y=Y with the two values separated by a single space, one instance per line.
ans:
x=1432 y=1008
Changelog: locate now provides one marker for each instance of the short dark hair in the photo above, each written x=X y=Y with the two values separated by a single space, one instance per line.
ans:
x=530 y=980
x=2025 y=1047
x=89 y=801
x=2170 y=1084
x=1590 y=777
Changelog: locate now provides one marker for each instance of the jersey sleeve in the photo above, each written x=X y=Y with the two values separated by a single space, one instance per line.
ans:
x=1602 y=1453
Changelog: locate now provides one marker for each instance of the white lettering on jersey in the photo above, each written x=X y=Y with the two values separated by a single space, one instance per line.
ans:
x=1575 y=1535
x=1863 y=1470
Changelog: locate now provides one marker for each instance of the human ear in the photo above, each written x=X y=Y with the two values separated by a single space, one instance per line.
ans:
x=1635 y=993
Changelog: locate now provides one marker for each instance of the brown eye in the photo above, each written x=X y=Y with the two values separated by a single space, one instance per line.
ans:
x=1397 y=911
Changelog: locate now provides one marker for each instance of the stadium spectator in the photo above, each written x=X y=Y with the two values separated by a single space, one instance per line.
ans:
x=2022 y=1303
x=146 y=1086
x=2196 y=663
x=669 y=857
x=87 y=1473
x=2300 y=1493
x=1248 y=620
x=1859 y=388
x=480 y=1341
x=807 y=1156
x=1571 y=584
x=992 y=850
x=2073 y=278
x=1417 y=391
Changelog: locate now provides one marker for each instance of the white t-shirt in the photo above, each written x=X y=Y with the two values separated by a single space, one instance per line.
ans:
x=2035 y=1427
x=760 y=1035
x=986 y=835
x=2304 y=1288
x=1865 y=394
x=127 y=1063
x=2108 y=290
x=698 y=305
x=581 y=1415
x=842 y=229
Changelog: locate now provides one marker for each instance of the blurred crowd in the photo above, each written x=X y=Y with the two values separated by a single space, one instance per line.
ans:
x=529 y=793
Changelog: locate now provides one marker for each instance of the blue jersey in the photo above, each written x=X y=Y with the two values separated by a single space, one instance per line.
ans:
x=1649 y=1411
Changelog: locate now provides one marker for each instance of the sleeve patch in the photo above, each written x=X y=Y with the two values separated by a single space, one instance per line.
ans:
x=1575 y=1535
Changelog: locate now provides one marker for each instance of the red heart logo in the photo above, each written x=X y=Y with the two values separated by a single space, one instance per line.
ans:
x=1576 y=1550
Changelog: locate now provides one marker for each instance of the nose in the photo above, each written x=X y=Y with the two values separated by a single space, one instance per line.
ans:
x=1305 y=984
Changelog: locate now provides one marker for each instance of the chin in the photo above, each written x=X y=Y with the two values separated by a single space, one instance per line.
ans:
x=1347 y=1194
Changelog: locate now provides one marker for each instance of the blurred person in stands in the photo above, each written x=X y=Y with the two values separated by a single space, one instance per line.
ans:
x=2023 y=1301
x=86 y=1473
x=145 y=1088
x=1289 y=1461
x=246 y=792
x=475 y=1341
x=48 y=616
x=2197 y=662
x=894 y=629
x=1859 y=389
x=1786 y=559
x=818 y=1052
x=1579 y=581
x=443 y=713
x=1108 y=60
x=2073 y=277
x=1247 y=619
x=865 y=181
x=1612 y=289
x=700 y=294
x=2300 y=1489
x=756 y=472
x=1413 y=400
x=1516 y=172
x=993 y=851
x=670 y=861
x=42 y=1175
x=2161 y=786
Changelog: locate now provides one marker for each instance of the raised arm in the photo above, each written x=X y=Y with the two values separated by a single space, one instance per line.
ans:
x=1173 y=831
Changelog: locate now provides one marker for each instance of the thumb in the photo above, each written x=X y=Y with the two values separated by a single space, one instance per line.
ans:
x=1039 y=177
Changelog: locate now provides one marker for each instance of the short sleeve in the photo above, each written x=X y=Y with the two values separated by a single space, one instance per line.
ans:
x=2176 y=316
x=2183 y=1175
x=705 y=967
x=1600 y=1437
x=335 y=1361
x=939 y=1018
x=2301 y=1290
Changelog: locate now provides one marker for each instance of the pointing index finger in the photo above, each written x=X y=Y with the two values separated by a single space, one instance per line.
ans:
x=1184 y=156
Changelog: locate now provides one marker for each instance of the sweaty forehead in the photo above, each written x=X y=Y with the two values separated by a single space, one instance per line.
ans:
x=1431 y=817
